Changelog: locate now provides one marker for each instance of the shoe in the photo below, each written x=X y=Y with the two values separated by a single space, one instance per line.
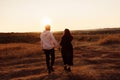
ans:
x=51 y=68
x=49 y=71
x=65 y=68
x=69 y=69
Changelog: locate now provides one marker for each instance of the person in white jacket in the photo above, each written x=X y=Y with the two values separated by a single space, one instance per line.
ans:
x=48 y=43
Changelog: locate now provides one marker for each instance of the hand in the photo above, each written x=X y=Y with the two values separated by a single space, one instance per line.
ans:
x=59 y=48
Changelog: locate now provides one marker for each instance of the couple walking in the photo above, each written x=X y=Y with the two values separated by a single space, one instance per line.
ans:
x=49 y=42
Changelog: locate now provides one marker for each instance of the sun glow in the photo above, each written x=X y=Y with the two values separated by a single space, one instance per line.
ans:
x=46 y=21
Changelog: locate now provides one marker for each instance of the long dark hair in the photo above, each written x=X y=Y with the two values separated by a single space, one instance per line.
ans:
x=67 y=32
x=66 y=38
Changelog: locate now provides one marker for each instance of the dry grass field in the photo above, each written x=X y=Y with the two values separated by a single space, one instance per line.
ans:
x=96 y=56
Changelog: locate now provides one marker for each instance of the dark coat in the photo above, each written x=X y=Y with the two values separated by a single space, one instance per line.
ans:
x=67 y=49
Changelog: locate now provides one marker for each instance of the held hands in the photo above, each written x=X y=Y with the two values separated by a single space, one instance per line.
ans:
x=58 y=48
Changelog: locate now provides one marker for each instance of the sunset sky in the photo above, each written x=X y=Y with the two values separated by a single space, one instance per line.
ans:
x=31 y=15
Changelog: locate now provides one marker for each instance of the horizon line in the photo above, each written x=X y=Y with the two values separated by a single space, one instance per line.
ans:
x=59 y=30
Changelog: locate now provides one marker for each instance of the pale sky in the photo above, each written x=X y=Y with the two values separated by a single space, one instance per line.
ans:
x=28 y=15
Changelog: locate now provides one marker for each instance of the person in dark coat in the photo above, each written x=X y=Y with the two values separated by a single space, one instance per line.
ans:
x=67 y=50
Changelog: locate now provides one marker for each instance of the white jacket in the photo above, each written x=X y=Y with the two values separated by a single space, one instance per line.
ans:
x=47 y=40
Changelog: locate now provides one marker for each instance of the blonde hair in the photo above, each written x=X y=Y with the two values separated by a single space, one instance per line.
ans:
x=47 y=27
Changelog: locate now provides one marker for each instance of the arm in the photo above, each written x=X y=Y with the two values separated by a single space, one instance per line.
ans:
x=41 y=43
x=54 y=40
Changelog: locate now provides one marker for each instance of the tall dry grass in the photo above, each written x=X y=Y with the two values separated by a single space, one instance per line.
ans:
x=23 y=59
x=16 y=44
x=19 y=50
x=19 y=37
x=109 y=39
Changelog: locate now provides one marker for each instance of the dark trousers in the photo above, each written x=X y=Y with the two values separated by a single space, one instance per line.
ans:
x=50 y=57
